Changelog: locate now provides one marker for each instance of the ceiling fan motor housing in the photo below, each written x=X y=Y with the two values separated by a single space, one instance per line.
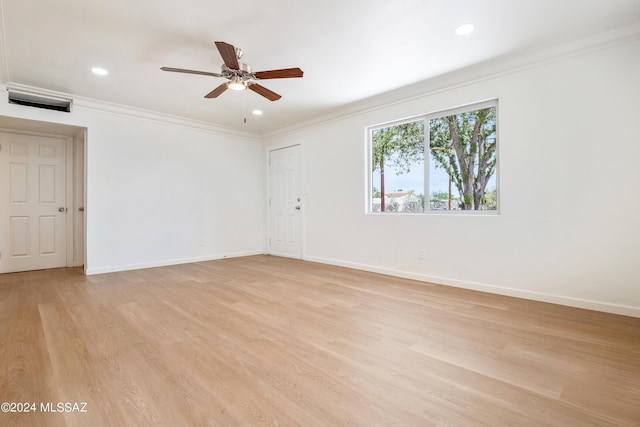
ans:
x=243 y=71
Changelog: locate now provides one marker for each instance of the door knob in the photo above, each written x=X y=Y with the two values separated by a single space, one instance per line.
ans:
x=297 y=208
x=62 y=209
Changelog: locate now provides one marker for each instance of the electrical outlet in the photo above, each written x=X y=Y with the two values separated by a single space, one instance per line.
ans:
x=201 y=242
x=420 y=253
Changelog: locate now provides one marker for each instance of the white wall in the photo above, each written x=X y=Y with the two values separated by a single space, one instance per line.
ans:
x=569 y=227
x=160 y=193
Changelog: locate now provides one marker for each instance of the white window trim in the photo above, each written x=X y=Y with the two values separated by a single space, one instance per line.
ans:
x=427 y=159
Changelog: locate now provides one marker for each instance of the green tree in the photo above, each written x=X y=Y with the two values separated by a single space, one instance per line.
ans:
x=464 y=145
x=440 y=195
x=491 y=199
x=398 y=146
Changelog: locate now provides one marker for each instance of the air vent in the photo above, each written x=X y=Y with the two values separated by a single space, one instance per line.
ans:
x=39 y=101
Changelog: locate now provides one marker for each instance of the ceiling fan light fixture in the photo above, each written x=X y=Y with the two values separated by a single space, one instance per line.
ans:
x=236 y=84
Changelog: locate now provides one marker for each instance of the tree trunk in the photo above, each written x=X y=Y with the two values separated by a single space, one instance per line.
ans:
x=466 y=178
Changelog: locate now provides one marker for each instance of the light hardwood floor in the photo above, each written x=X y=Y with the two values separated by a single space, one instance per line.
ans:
x=272 y=341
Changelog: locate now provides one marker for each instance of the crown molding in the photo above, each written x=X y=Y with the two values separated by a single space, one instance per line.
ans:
x=87 y=104
x=503 y=65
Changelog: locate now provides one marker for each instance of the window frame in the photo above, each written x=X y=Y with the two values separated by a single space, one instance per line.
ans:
x=426 y=118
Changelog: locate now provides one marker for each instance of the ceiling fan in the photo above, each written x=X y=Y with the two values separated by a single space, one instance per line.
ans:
x=240 y=75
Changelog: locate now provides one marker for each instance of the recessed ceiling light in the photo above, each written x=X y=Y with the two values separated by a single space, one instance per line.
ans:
x=464 y=29
x=99 y=71
x=257 y=112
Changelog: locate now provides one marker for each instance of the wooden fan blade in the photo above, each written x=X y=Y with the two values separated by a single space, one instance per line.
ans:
x=217 y=91
x=182 y=70
x=261 y=90
x=285 y=73
x=228 y=53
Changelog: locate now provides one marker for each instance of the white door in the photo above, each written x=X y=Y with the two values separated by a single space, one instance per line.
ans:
x=285 y=221
x=33 y=221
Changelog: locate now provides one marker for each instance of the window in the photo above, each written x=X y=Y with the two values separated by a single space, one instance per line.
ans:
x=452 y=154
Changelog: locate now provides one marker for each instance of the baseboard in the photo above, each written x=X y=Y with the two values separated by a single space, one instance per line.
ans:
x=624 y=310
x=284 y=255
x=164 y=263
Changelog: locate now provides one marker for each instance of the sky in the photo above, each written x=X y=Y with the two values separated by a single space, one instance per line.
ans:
x=439 y=180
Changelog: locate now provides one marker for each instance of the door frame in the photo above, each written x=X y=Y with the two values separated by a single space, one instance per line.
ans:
x=301 y=230
x=75 y=188
x=79 y=200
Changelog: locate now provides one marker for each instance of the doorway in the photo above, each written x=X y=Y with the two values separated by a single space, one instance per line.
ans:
x=41 y=198
x=285 y=203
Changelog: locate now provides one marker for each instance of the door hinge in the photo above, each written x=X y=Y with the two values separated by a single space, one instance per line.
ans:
x=269 y=241
x=269 y=201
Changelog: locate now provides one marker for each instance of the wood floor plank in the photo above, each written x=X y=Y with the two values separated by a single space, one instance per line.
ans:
x=29 y=376
x=273 y=341
x=75 y=380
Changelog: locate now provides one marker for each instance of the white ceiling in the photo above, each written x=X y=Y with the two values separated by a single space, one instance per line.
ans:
x=349 y=49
